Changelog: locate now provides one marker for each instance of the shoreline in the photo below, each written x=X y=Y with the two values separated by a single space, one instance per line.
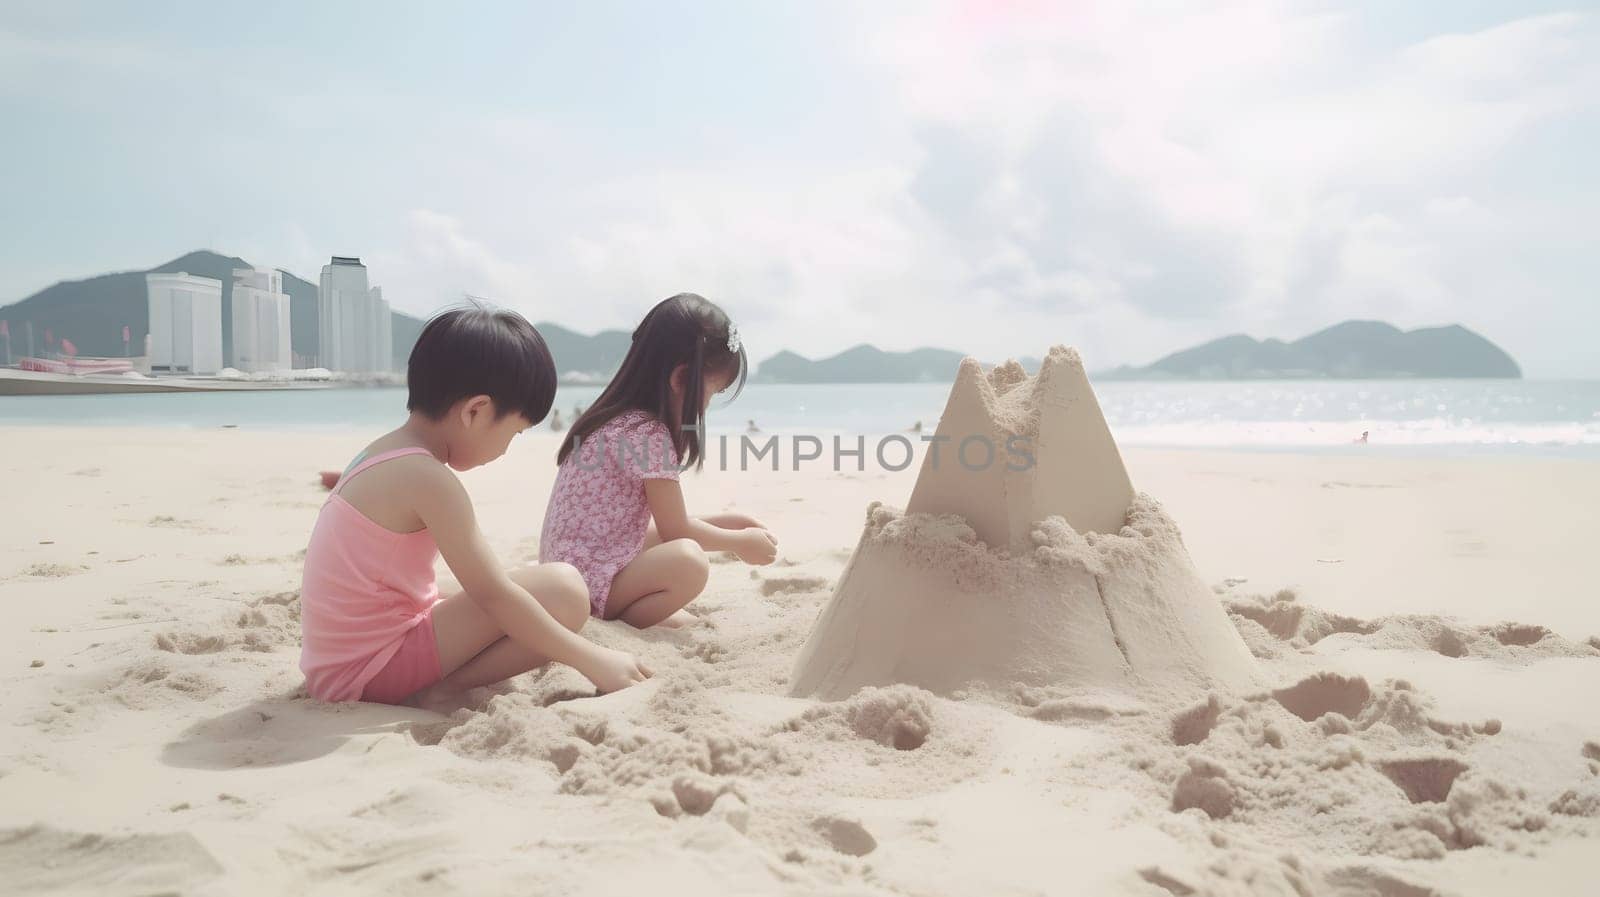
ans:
x=1442 y=419
x=15 y=383
x=1440 y=451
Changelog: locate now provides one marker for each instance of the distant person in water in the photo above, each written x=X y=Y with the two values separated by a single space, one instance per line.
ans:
x=1362 y=439
x=750 y=426
x=556 y=425
x=916 y=427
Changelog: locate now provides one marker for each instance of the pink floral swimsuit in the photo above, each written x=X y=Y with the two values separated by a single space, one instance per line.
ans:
x=598 y=515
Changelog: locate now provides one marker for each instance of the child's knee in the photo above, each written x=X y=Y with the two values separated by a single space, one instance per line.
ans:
x=691 y=560
x=569 y=596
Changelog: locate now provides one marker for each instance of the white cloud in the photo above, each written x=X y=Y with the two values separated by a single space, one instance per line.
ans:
x=1127 y=177
x=1251 y=165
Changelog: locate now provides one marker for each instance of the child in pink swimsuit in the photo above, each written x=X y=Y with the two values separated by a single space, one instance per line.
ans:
x=619 y=472
x=373 y=625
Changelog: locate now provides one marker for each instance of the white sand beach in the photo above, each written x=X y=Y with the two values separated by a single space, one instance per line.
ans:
x=1424 y=633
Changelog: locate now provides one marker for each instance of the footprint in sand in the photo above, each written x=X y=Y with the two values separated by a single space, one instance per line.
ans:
x=706 y=651
x=1518 y=634
x=190 y=642
x=1175 y=886
x=1313 y=697
x=168 y=521
x=1369 y=880
x=54 y=571
x=1283 y=618
x=1204 y=787
x=789 y=585
x=1424 y=779
x=41 y=859
x=1194 y=725
x=846 y=836
x=695 y=793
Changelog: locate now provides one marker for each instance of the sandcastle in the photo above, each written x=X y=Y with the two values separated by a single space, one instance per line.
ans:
x=1041 y=567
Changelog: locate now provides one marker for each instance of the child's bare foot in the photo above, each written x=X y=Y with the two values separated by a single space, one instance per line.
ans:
x=679 y=619
x=442 y=697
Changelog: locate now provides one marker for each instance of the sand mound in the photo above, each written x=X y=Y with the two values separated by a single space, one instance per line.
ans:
x=1270 y=622
x=1358 y=768
x=1096 y=588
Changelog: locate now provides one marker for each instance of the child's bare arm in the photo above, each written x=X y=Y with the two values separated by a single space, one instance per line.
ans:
x=446 y=511
x=754 y=544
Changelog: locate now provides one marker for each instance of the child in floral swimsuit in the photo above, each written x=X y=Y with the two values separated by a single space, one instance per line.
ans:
x=617 y=511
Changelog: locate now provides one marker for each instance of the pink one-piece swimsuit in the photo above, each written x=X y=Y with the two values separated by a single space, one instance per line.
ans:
x=366 y=591
x=598 y=515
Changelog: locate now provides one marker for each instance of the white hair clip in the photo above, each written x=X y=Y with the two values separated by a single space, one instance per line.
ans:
x=734 y=345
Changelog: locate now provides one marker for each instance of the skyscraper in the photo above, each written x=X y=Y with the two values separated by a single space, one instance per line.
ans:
x=355 y=330
x=344 y=319
x=185 y=323
x=383 y=332
x=260 y=320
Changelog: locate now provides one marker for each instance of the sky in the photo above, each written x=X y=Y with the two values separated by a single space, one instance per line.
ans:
x=1128 y=178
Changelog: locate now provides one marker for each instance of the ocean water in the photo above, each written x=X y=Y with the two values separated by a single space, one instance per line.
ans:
x=1550 y=417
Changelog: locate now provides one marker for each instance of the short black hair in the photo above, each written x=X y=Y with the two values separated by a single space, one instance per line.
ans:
x=480 y=351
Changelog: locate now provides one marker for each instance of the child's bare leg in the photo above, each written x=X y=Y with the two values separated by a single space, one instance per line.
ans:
x=472 y=649
x=658 y=583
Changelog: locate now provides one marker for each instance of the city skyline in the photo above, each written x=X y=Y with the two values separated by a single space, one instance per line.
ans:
x=187 y=323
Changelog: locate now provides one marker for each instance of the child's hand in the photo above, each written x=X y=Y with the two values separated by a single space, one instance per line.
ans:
x=613 y=670
x=756 y=546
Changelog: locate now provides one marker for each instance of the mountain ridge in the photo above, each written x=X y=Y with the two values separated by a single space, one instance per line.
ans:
x=92 y=311
x=1355 y=350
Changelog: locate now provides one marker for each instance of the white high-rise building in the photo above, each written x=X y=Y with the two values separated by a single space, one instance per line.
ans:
x=383 y=332
x=185 y=323
x=260 y=321
x=344 y=310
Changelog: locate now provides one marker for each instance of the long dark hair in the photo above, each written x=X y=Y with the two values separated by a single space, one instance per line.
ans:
x=686 y=329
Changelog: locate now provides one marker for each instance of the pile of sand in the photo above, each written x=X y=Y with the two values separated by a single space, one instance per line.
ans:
x=995 y=578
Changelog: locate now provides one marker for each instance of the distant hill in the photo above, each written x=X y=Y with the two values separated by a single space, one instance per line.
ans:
x=1352 y=350
x=585 y=358
x=862 y=364
x=92 y=312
